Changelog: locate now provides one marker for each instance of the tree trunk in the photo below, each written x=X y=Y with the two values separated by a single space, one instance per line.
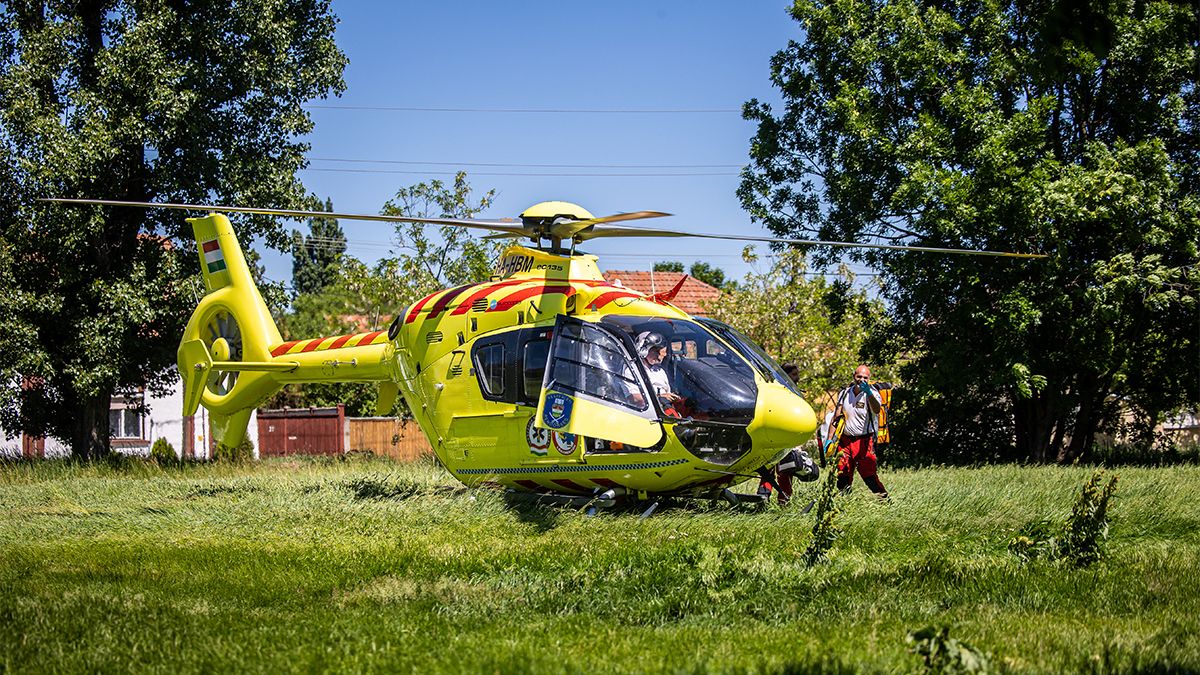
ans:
x=1086 y=419
x=89 y=439
x=1034 y=424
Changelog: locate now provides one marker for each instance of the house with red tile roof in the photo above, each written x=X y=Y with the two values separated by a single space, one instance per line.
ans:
x=690 y=298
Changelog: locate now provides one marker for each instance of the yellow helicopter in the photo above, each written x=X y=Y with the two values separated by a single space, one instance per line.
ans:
x=543 y=379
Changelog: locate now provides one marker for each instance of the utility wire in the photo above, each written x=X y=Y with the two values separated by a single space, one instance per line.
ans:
x=538 y=111
x=558 y=175
x=533 y=166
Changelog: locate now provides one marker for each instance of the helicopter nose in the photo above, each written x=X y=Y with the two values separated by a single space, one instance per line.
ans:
x=785 y=419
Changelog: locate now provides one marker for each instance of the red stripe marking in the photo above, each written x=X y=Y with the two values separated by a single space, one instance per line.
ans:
x=570 y=484
x=210 y=246
x=530 y=485
x=512 y=299
x=283 y=348
x=369 y=338
x=311 y=346
x=340 y=341
x=605 y=298
x=440 y=305
x=412 y=313
x=606 y=482
x=465 y=305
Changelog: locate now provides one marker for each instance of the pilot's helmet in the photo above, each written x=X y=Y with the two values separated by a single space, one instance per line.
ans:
x=647 y=340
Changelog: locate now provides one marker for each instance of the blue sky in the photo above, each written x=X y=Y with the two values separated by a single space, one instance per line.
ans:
x=621 y=55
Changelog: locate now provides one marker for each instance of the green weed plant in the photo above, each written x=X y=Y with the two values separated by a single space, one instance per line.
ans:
x=1080 y=539
x=941 y=653
x=825 y=530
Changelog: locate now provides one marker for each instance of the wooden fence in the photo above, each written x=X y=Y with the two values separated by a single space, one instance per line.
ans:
x=401 y=440
x=327 y=431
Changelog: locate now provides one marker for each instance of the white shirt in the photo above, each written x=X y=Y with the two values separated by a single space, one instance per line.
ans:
x=658 y=378
x=860 y=420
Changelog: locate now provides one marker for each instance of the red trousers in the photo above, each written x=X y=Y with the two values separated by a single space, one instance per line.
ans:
x=858 y=452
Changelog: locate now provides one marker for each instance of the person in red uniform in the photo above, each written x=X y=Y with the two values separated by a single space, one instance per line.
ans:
x=795 y=464
x=859 y=404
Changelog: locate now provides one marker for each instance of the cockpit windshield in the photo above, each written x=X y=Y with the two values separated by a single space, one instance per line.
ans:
x=693 y=374
x=767 y=366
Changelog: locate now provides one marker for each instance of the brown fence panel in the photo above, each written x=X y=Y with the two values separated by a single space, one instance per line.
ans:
x=302 y=431
x=399 y=439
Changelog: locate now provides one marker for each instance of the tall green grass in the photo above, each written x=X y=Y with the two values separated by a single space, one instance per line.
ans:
x=372 y=566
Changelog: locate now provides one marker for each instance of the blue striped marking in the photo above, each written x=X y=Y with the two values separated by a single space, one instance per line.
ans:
x=573 y=468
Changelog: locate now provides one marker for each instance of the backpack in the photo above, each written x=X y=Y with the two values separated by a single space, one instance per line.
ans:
x=882 y=435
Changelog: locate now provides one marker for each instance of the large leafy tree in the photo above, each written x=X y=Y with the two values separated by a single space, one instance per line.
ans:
x=1042 y=126
x=135 y=100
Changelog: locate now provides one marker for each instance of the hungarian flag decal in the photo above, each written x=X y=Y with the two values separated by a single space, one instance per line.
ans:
x=213 y=256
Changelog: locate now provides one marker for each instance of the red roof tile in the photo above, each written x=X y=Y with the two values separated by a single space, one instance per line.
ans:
x=689 y=298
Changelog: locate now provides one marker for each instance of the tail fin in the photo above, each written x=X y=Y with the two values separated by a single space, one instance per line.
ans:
x=232 y=356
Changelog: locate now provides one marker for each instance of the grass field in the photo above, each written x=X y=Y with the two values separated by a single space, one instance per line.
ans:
x=371 y=566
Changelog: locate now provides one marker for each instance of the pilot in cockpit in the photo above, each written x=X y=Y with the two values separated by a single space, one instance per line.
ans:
x=652 y=349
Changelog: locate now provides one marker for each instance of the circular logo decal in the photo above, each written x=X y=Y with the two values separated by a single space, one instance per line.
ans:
x=557 y=412
x=565 y=443
x=538 y=439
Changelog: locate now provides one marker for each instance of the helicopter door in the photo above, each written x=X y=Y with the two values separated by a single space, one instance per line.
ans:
x=592 y=389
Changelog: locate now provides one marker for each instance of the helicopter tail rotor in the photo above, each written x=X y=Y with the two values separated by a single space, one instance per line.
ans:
x=232 y=356
x=229 y=333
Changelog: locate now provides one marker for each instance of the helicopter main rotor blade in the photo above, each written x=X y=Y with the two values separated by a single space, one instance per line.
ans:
x=620 y=231
x=565 y=228
x=620 y=217
x=493 y=225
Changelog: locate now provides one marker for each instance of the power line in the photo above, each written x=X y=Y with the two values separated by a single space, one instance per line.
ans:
x=534 y=175
x=537 y=111
x=533 y=166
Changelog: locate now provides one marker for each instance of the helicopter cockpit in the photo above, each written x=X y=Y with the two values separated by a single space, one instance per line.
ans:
x=711 y=381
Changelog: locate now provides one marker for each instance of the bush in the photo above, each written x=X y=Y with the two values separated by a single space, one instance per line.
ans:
x=825 y=531
x=242 y=453
x=941 y=653
x=163 y=452
x=1080 y=540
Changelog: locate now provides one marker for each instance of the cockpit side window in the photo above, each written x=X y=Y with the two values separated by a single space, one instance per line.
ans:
x=706 y=380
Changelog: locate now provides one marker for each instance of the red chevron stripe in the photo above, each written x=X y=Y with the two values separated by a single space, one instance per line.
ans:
x=509 y=301
x=340 y=341
x=465 y=305
x=605 y=298
x=530 y=485
x=412 y=313
x=604 y=482
x=442 y=302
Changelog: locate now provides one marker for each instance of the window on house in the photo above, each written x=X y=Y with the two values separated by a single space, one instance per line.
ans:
x=125 y=416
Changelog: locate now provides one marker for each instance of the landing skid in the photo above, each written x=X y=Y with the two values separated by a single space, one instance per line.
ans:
x=594 y=503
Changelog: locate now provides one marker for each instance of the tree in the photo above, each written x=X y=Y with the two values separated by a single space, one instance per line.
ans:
x=710 y=274
x=668 y=266
x=459 y=257
x=317 y=257
x=1064 y=128
x=820 y=326
x=154 y=100
x=367 y=298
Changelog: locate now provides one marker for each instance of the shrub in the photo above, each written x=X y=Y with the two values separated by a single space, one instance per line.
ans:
x=242 y=453
x=941 y=653
x=1080 y=540
x=825 y=531
x=163 y=452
